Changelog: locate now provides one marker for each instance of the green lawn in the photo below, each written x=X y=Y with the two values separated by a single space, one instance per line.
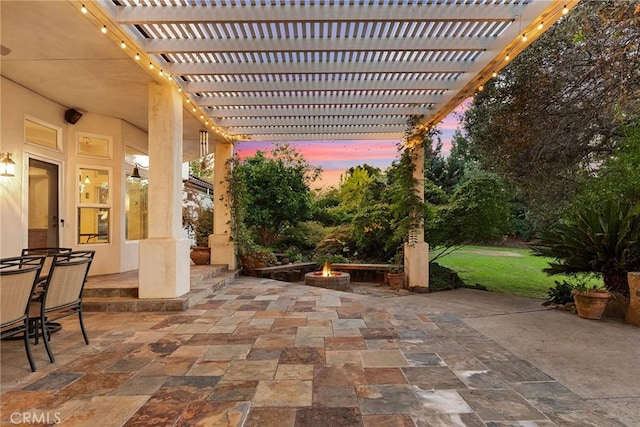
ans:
x=507 y=270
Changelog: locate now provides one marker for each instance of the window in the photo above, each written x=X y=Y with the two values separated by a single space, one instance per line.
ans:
x=93 y=145
x=43 y=134
x=94 y=206
x=136 y=195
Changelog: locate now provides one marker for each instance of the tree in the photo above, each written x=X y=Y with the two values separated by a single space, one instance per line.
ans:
x=277 y=191
x=561 y=105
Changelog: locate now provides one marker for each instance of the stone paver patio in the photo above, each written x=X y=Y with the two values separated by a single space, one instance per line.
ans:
x=266 y=353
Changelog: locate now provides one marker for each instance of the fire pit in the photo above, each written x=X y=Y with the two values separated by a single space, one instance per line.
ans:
x=328 y=279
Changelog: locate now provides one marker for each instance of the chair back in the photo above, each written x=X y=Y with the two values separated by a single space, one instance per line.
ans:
x=18 y=277
x=49 y=253
x=66 y=278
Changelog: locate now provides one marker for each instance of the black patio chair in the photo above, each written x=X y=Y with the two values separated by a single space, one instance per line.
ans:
x=49 y=253
x=18 y=278
x=62 y=295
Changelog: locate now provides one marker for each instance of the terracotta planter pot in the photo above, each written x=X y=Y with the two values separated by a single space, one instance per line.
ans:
x=200 y=255
x=633 y=311
x=396 y=281
x=590 y=305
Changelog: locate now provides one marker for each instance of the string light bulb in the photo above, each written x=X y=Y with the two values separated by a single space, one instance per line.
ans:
x=494 y=74
x=541 y=25
x=193 y=109
x=123 y=44
x=161 y=73
x=137 y=57
x=84 y=10
x=524 y=37
x=565 y=10
x=150 y=66
x=480 y=89
x=104 y=29
x=507 y=58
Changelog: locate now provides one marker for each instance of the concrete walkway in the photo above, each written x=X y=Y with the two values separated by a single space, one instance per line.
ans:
x=266 y=353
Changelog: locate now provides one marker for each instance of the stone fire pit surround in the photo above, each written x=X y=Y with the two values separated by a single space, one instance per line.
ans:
x=328 y=279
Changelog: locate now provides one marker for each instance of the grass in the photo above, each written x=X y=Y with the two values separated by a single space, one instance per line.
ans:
x=506 y=270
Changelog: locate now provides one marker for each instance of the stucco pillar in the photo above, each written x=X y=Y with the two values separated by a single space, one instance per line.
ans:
x=164 y=256
x=222 y=247
x=416 y=251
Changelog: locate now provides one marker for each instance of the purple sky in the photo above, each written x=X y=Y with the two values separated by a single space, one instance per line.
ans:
x=337 y=156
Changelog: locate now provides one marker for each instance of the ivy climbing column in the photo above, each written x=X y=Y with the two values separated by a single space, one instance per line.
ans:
x=222 y=246
x=416 y=251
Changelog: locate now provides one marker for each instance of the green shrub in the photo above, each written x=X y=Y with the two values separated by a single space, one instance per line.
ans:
x=443 y=278
x=560 y=293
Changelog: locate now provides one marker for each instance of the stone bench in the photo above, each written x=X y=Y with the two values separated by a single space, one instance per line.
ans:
x=364 y=272
x=287 y=272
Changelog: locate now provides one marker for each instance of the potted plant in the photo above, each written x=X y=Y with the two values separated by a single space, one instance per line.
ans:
x=395 y=273
x=590 y=299
x=203 y=226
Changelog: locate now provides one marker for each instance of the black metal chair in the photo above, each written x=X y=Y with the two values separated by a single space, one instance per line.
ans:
x=49 y=253
x=62 y=295
x=18 y=279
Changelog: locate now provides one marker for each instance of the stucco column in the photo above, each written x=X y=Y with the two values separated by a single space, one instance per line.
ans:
x=164 y=256
x=416 y=251
x=222 y=247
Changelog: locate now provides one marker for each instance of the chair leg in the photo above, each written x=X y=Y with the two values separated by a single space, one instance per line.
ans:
x=35 y=329
x=45 y=338
x=84 y=332
x=27 y=346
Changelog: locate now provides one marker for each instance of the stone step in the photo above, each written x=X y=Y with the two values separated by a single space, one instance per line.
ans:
x=204 y=282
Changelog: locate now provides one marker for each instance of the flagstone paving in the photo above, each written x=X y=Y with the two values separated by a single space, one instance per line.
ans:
x=266 y=353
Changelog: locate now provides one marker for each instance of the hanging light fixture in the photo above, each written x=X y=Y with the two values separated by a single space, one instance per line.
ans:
x=7 y=166
x=204 y=143
x=136 y=172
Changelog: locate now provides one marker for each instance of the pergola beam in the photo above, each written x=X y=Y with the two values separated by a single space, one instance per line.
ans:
x=316 y=13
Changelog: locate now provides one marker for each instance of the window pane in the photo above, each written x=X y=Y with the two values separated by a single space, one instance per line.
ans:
x=135 y=204
x=94 y=186
x=39 y=134
x=93 y=225
x=94 y=145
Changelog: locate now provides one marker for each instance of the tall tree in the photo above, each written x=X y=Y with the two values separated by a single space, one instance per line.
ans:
x=277 y=190
x=559 y=107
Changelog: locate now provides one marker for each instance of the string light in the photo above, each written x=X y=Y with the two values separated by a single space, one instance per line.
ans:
x=494 y=74
x=480 y=88
x=507 y=58
x=524 y=37
x=565 y=10
x=161 y=73
x=541 y=25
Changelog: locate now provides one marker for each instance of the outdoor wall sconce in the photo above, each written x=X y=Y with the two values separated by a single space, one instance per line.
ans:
x=7 y=166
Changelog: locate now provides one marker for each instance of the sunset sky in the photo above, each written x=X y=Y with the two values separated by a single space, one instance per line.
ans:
x=337 y=156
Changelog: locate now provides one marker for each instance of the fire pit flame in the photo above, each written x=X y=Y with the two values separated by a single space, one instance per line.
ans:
x=326 y=270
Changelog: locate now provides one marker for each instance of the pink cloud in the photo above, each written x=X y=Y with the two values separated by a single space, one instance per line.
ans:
x=335 y=157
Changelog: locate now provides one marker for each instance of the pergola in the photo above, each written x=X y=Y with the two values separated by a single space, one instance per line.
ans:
x=281 y=70
x=252 y=70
